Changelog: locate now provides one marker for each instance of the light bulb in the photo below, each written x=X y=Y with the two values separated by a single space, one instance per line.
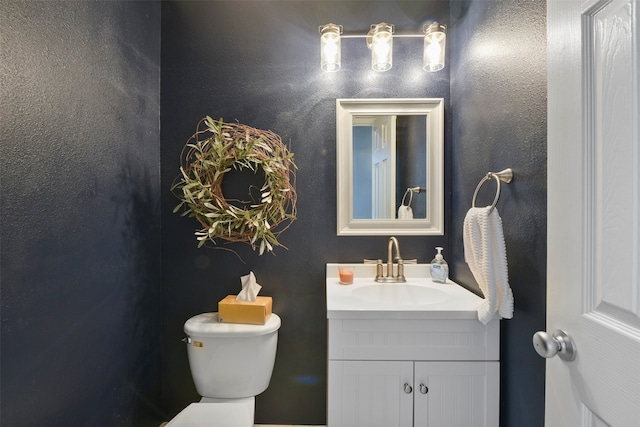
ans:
x=380 y=41
x=330 y=54
x=434 y=46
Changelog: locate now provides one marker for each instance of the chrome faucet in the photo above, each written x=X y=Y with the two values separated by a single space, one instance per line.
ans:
x=390 y=277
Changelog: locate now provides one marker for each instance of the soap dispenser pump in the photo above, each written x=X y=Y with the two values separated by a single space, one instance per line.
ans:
x=439 y=268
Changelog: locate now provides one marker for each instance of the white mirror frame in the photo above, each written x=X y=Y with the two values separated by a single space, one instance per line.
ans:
x=433 y=109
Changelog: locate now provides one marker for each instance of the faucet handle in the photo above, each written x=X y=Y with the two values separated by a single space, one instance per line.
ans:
x=410 y=261
x=400 y=276
x=379 y=268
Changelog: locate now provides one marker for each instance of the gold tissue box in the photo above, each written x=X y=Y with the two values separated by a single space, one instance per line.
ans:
x=253 y=312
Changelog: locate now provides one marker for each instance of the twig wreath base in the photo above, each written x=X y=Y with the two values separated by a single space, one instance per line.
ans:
x=217 y=148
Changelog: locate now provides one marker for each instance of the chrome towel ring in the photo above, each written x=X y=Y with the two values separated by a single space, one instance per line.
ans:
x=502 y=176
x=410 y=192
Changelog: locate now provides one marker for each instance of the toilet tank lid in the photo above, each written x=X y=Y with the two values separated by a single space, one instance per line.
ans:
x=206 y=324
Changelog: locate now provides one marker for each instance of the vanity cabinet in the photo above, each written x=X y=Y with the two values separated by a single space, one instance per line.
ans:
x=413 y=372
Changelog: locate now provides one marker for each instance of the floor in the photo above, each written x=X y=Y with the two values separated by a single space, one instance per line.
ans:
x=265 y=425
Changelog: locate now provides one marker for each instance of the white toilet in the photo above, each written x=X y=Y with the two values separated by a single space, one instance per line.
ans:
x=230 y=363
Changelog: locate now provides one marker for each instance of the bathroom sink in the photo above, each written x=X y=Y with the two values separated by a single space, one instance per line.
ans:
x=400 y=294
x=418 y=298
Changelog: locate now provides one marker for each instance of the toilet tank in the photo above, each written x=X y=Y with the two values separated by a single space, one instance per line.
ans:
x=231 y=360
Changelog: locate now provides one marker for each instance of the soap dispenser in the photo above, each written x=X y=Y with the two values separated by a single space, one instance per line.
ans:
x=439 y=268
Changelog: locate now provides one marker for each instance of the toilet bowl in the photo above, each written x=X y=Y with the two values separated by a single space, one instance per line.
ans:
x=230 y=364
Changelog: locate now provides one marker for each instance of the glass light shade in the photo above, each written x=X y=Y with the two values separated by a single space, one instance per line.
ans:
x=435 y=38
x=380 y=41
x=330 y=55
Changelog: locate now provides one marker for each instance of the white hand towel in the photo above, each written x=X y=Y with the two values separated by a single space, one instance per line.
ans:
x=486 y=255
x=405 y=212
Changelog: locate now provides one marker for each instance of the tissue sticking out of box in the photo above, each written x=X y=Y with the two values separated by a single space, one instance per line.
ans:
x=250 y=288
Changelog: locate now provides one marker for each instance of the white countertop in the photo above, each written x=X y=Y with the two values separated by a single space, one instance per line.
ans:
x=459 y=303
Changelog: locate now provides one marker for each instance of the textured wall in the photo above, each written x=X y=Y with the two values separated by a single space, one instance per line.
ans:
x=79 y=219
x=79 y=225
x=498 y=98
x=258 y=62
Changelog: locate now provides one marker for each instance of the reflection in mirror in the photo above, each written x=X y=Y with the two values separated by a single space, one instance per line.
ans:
x=390 y=166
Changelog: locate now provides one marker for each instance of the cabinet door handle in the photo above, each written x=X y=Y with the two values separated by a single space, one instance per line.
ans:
x=424 y=389
x=407 y=388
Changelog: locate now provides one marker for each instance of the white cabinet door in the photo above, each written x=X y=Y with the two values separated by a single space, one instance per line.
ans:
x=370 y=394
x=420 y=394
x=457 y=394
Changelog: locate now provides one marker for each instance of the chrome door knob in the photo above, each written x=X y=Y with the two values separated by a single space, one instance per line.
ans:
x=557 y=343
x=407 y=388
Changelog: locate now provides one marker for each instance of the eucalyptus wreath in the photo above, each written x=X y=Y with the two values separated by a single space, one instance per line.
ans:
x=217 y=148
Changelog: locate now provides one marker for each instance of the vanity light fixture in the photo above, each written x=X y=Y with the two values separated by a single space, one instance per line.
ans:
x=330 y=47
x=380 y=40
x=435 y=37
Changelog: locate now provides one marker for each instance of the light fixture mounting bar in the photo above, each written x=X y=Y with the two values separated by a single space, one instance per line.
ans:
x=364 y=36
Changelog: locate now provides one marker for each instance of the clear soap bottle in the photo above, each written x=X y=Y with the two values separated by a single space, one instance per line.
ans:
x=439 y=268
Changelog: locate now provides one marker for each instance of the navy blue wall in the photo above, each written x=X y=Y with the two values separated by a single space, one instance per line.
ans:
x=258 y=63
x=79 y=219
x=79 y=213
x=498 y=98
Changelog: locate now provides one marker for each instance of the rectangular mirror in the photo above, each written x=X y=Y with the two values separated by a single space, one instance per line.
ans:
x=390 y=156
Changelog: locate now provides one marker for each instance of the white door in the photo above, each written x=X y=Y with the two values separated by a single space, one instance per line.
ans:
x=593 y=264
x=383 y=161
